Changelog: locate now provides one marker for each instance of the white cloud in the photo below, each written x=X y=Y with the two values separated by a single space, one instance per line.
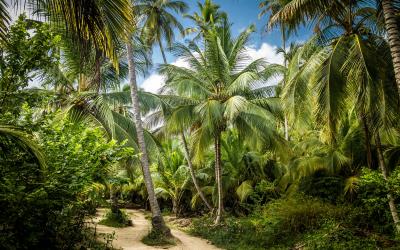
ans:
x=155 y=81
x=266 y=51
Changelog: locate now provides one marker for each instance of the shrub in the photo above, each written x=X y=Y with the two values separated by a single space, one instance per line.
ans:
x=117 y=219
x=295 y=222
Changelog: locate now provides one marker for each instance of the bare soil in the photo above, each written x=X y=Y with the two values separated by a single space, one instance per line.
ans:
x=129 y=238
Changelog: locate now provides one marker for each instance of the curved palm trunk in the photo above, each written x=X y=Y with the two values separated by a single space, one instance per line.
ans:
x=218 y=176
x=157 y=219
x=393 y=36
x=192 y=174
x=382 y=166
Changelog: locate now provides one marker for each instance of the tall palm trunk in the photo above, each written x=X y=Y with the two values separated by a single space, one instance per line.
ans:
x=157 y=219
x=192 y=174
x=382 y=166
x=286 y=126
x=393 y=36
x=218 y=176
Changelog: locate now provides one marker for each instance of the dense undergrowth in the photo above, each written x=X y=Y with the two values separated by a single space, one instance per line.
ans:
x=297 y=223
x=312 y=162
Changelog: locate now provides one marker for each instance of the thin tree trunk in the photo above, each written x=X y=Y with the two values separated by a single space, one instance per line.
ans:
x=218 y=177
x=286 y=126
x=162 y=50
x=393 y=36
x=157 y=219
x=382 y=166
x=175 y=207
x=192 y=174
x=367 y=135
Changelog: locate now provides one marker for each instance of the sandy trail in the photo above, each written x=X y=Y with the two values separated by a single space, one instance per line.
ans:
x=129 y=238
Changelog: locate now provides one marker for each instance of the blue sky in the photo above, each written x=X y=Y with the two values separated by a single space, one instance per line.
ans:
x=241 y=13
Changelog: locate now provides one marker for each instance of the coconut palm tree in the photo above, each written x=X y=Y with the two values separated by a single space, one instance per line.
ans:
x=392 y=28
x=272 y=7
x=216 y=92
x=172 y=179
x=159 y=23
x=209 y=15
x=343 y=72
x=158 y=224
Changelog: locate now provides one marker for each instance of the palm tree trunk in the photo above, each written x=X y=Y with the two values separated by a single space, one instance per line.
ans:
x=393 y=36
x=114 y=201
x=218 y=176
x=175 y=207
x=157 y=219
x=382 y=166
x=192 y=174
x=367 y=135
x=162 y=50
x=284 y=80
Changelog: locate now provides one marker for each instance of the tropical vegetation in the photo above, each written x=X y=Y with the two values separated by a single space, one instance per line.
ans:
x=301 y=154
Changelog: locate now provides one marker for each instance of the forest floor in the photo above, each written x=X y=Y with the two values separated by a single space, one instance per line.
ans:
x=130 y=237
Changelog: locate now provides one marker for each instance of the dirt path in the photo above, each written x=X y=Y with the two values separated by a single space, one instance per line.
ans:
x=129 y=238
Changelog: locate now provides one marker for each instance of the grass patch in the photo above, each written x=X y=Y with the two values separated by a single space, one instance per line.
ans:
x=120 y=219
x=157 y=239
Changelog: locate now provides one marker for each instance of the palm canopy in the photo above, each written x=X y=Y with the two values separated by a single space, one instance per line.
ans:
x=221 y=88
x=330 y=18
x=208 y=16
x=158 y=21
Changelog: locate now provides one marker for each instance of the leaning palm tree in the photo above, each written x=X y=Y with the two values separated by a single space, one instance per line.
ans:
x=159 y=23
x=218 y=91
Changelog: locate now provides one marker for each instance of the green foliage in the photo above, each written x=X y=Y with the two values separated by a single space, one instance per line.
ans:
x=30 y=46
x=118 y=219
x=158 y=239
x=45 y=207
x=297 y=222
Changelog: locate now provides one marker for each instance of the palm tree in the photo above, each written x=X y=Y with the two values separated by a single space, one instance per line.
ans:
x=208 y=16
x=172 y=179
x=392 y=29
x=274 y=6
x=343 y=73
x=216 y=93
x=158 y=223
x=159 y=23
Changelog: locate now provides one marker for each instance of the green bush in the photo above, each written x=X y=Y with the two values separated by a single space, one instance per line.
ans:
x=43 y=208
x=116 y=219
